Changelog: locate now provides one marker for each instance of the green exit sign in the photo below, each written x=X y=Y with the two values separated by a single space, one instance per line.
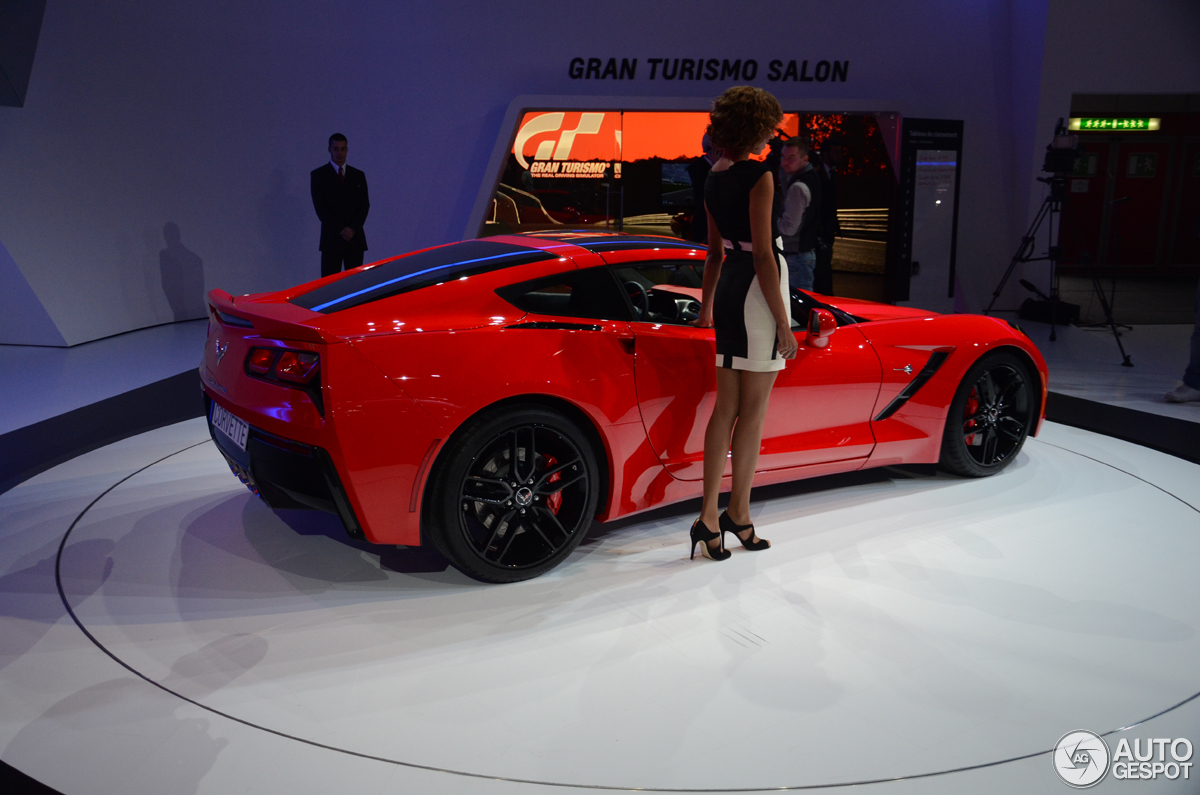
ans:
x=1094 y=124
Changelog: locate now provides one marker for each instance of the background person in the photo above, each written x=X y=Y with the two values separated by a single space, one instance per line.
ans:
x=1189 y=390
x=833 y=153
x=801 y=217
x=339 y=194
x=698 y=171
x=745 y=298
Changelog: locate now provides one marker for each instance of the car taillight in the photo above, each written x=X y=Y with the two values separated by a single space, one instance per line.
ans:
x=280 y=364
x=296 y=366
x=260 y=360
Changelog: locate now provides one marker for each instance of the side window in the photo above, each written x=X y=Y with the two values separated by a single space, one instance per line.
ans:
x=801 y=306
x=803 y=303
x=589 y=293
x=665 y=291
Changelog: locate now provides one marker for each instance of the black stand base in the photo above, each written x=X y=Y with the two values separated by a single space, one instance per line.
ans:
x=1060 y=313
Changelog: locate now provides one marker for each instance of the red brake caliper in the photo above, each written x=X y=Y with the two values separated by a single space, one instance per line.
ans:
x=554 y=501
x=972 y=407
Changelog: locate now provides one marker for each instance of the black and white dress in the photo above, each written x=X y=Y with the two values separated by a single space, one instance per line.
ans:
x=746 y=330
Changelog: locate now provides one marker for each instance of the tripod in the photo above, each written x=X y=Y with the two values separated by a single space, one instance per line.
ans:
x=1107 y=301
x=1053 y=205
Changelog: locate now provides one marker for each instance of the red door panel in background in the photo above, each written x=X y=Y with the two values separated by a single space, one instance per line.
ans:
x=1186 y=238
x=1137 y=215
x=1083 y=211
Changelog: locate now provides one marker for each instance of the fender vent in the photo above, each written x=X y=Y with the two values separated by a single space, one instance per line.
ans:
x=931 y=367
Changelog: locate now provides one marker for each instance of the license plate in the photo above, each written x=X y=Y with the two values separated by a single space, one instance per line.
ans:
x=237 y=430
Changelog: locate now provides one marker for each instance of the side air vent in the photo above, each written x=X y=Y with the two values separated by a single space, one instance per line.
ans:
x=935 y=362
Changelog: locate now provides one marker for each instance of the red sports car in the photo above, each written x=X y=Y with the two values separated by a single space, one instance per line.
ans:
x=493 y=397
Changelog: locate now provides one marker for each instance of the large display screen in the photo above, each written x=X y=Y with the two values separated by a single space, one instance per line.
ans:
x=604 y=169
x=642 y=172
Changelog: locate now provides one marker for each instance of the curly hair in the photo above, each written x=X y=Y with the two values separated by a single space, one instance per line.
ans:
x=742 y=118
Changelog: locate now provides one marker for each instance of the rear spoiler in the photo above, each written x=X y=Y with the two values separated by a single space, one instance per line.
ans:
x=282 y=321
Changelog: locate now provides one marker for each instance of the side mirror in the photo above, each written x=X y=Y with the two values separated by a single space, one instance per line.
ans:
x=821 y=325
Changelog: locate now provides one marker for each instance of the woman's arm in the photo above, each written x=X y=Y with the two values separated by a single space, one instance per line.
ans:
x=712 y=272
x=766 y=266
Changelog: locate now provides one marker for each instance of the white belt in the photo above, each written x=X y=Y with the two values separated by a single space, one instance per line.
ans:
x=743 y=246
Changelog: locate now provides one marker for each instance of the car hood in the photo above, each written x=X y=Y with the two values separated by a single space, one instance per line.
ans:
x=872 y=310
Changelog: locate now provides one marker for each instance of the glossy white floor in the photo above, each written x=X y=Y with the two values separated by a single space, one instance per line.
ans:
x=902 y=625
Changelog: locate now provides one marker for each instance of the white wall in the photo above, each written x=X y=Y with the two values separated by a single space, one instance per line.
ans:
x=210 y=116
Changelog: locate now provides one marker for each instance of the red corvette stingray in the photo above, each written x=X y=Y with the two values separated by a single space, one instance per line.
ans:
x=493 y=397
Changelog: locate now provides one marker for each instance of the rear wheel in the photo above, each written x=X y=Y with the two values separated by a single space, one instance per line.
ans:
x=990 y=417
x=513 y=494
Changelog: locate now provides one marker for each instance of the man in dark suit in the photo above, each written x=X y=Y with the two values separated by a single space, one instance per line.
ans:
x=832 y=154
x=339 y=194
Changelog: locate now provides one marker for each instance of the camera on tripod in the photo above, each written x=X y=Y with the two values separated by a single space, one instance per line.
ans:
x=1062 y=154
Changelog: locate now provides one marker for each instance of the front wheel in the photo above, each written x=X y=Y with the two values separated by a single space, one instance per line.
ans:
x=513 y=494
x=990 y=417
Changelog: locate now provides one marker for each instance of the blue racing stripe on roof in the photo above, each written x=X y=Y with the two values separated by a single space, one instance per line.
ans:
x=408 y=276
x=638 y=244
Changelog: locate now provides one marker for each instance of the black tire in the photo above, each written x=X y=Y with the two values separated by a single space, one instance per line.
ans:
x=498 y=524
x=991 y=415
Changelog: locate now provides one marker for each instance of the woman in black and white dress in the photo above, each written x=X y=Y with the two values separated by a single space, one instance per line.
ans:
x=746 y=299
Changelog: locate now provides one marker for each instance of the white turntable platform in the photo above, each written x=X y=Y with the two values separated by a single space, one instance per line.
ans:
x=902 y=628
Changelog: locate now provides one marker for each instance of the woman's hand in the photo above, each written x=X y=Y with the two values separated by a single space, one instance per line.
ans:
x=785 y=341
x=706 y=318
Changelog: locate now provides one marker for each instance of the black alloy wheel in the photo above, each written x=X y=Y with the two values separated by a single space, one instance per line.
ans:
x=990 y=417
x=513 y=494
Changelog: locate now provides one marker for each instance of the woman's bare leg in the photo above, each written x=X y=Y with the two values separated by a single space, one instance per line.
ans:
x=754 y=394
x=716 y=441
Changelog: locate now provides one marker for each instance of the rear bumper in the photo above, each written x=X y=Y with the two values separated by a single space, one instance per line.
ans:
x=287 y=473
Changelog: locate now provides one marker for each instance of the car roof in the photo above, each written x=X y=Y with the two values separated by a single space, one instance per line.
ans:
x=597 y=241
x=418 y=269
x=428 y=266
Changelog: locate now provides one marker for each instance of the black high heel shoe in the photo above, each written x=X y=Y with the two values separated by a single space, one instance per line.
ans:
x=753 y=544
x=702 y=535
